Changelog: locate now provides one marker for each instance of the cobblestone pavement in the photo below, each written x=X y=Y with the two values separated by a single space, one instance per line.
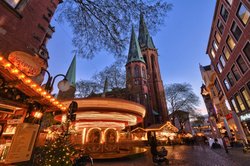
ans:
x=181 y=155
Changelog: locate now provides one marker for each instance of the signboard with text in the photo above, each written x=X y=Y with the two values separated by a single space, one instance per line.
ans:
x=22 y=143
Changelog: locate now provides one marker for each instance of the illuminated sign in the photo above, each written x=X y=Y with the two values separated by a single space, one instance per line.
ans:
x=25 y=62
x=245 y=117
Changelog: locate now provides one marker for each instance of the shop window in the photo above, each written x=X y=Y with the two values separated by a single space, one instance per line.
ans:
x=234 y=105
x=230 y=78
x=246 y=51
x=243 y=14
x=13 y=3
x=219 y=67
x=235 y=73
x=224 y=13
x=230 y=43
x=226 y=53
x=240 y=102
x=242 y=65
x=212 y=53
x=217 y=37
x=246 y=96
x=236 y=31
x=230 y=2
x=220 y=26
x=215 y=46
x=226 y=83
x=223 y=62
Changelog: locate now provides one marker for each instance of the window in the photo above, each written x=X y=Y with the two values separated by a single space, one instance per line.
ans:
x=230 y=79
x=219 y=67
x=137 y=71
x=246 y=96
x=243 y=14
x=224 y=13
x=240 y=102
x=230 y=2
x=226 y=53
x=220 y=26
x=13 y=3
x=230 y=43
x=234 y=105
x=215 y=46
x=246 y=51
x=235 y=73
x=216 y=84
x=222 y=60
x=217 y=37
x=242 y=65
x=227 y=85
x=236 y=31
x=212 y=53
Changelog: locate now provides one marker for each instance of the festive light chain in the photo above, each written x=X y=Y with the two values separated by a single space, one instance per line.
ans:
x=26 y=80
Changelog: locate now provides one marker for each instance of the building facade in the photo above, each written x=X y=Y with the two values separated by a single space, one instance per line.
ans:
x=24 y=31
x=229 y=51
x=143 y=78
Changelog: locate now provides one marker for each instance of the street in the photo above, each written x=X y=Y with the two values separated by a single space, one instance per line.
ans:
x=187 y=156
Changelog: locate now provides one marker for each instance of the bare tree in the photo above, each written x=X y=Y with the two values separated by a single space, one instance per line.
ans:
x=105 y=24
x=180 y=96
x=115 y=74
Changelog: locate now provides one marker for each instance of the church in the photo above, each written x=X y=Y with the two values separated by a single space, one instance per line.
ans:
x=143 y=79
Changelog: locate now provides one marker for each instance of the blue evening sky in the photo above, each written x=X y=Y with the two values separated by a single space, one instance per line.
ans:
x=181 y=44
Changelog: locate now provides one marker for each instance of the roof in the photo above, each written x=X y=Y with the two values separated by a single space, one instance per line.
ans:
x=134 y=54
x=145 y=40
x=71 y=73
x=157 y=127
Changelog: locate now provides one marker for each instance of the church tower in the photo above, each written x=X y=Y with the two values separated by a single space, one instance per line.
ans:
x=136 y=77
x=156 y=93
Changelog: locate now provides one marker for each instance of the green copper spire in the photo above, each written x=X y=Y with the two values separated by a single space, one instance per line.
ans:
x=71 y=73
x=134 y=53
x=144 y=38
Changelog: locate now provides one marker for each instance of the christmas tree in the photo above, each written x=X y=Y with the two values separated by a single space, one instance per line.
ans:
x=57 y=153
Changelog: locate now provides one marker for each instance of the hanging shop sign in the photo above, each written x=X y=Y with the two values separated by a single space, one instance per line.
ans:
x=25 y=62
x=245 y=117
x=22 y=143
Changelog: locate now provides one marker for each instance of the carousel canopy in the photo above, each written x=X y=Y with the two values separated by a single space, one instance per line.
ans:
x=106 y=112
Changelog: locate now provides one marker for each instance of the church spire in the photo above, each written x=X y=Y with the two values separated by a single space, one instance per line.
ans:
x=144 y=38
x=71 y=73
x=134 y=53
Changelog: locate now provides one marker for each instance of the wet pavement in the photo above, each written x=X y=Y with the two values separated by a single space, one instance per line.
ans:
x=181 y=155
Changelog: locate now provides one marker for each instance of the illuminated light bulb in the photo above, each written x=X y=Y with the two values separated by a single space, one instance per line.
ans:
x=53 y=99
x=33 y=86
x=7 y=65
x=55 y=102
x=28 y=81
x=63 y=108
x=1 y=58
x=43 y=93
x=39 y=89
x=48 y=96
x=15 y=71
x=21 y=76
x=60 y=105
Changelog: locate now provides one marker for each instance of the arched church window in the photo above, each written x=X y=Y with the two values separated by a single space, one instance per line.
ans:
x=128 y=72
x=137 y=71
x=145 y=59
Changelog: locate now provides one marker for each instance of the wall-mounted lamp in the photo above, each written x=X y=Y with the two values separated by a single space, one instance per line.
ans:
x=63 y=85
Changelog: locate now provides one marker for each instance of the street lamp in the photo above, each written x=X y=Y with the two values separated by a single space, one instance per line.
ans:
x=63 y=85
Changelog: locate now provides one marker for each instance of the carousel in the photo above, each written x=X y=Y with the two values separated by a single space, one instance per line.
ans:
x=99 y=123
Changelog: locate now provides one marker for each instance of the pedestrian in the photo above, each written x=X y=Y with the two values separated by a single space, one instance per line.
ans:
x=216 y=145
